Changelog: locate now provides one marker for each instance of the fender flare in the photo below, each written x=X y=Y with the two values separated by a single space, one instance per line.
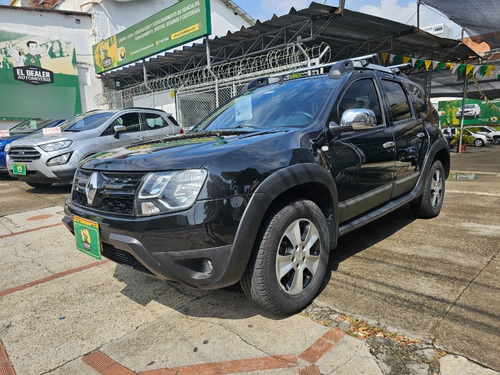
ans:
x=264 y=196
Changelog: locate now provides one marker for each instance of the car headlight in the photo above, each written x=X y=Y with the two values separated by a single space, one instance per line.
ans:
x=54 y=146
x=61 y=159
x=163 y=192
x=7 y=147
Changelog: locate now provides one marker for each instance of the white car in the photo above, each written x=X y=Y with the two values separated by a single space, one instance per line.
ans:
x=478 y=139
x=491 y=134
x=42 y=159
x=470 y=110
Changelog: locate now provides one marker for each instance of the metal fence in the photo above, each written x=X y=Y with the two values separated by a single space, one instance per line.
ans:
x=197 y=93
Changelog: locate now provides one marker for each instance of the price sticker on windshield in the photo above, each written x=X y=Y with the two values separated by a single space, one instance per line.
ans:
x=52 y=131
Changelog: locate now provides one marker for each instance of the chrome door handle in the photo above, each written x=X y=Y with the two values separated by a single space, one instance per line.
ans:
x=389 y=144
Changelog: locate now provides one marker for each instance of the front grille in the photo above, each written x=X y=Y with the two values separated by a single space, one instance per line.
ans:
x=122 y=257
x=23 y=154
x=114 y=192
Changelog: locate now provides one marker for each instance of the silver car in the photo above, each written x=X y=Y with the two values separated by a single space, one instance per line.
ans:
x=52 y=156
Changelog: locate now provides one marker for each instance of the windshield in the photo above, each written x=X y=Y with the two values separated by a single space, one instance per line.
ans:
x=292 y=103
x=470 y=106
x=85 y=121
x=28 y=126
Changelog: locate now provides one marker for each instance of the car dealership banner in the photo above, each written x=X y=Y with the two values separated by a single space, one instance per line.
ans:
x=480 y=112
x=38 y=77
x=176 y=25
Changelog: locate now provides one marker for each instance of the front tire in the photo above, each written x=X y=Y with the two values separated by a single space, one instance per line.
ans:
x=290 y=258
x=429 y=204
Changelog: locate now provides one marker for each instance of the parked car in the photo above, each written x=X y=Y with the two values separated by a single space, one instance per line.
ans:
x=477 y=139
x=21 y=130
x=261 y=190
x=41 y=160
x=492 y=135
x=470 y=110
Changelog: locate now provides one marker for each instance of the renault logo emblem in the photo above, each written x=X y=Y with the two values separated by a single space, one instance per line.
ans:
x=91 y=188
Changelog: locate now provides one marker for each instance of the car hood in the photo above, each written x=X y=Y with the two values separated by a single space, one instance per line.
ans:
x=6 y=140
x=192 y=150
x=39 y=138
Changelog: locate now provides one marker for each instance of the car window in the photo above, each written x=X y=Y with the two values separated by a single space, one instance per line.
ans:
x=173 y=120
x=292 y=103
x=420 y=102
x=155 y=121
x=399 y=105
x=85 y=121
x=361 y=94
x=132 y=121
x=28 y=126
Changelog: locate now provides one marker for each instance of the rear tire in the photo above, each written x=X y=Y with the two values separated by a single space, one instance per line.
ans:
x=289 y=260
x=429 y=204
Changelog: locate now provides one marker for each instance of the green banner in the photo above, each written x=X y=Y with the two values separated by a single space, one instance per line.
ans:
x=181 y=23
x=38 y=77
x=477 y=112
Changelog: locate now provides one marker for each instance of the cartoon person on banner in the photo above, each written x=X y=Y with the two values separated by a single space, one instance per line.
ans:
x=106 y=54
x=16 y=53
x=33 y=57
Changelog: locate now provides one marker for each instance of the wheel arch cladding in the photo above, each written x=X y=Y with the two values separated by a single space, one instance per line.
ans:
x=309 y=181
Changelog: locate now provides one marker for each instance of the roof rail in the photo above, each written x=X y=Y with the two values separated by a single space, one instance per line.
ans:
x=264 y=81
x=337 y=69
x=396 y=68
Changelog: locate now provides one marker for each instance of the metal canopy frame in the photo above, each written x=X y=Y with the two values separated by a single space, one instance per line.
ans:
x=348 y=33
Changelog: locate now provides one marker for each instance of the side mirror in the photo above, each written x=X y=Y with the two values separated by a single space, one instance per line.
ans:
x=358 y=119
x=334 y=129
x=119 y=129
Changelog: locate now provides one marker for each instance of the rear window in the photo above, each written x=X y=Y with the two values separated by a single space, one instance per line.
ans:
x=399 y=105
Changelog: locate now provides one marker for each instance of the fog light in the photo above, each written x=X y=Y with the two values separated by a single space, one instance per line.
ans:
x=58 y=160
x=149 y=208
x=207 y=266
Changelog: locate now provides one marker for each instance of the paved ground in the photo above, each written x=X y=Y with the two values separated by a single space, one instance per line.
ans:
x=404 y=296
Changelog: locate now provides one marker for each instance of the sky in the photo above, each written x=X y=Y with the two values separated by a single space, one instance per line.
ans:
x=403 y=11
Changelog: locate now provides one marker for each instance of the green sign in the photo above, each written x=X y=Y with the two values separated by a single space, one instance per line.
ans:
x=476 y=112
x=38 y=77
x=181 y=23
x=87 y=237
x=19 y=169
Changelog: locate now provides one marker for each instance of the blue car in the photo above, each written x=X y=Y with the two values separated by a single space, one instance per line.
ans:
x=20 y=130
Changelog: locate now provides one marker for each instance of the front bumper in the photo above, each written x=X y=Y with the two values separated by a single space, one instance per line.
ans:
x=38 y=172
x=172 y=247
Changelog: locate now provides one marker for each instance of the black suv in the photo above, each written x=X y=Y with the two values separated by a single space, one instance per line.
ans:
x=260 y=191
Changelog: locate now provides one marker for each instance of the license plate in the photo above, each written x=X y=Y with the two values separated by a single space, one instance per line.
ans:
x=87 y=236
x=19 y=169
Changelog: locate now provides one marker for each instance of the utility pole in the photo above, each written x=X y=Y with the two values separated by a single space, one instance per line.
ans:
x=418 y=14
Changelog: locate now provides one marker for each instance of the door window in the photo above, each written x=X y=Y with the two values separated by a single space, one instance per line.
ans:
x=132 y=121
x=399 y=106
x=420 y=102
x=155 y=121
x=361 y=94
